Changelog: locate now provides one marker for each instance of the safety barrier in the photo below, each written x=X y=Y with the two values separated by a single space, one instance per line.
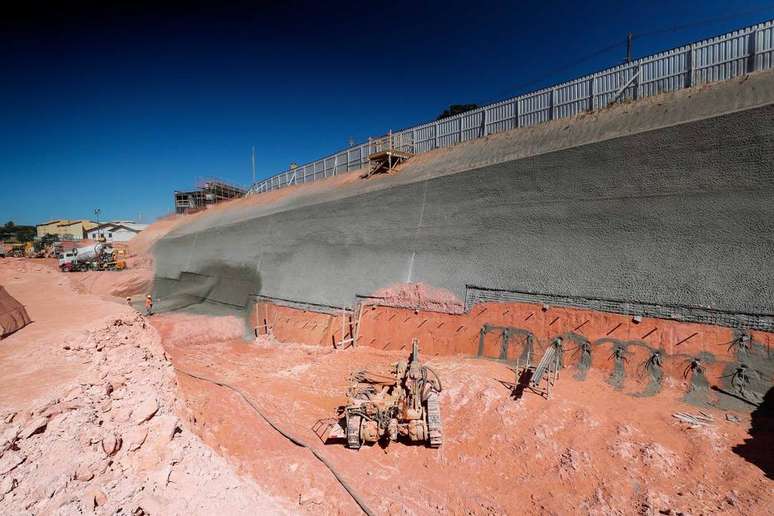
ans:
x=716 y=59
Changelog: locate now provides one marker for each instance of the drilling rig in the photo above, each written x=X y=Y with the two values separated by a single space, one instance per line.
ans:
x=402 y=405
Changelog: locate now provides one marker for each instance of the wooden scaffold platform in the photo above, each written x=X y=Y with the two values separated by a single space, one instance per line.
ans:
x=384 y=155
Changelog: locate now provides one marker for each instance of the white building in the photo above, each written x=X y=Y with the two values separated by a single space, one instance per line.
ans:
x=121 y=231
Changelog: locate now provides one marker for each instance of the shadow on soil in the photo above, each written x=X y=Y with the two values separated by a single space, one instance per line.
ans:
x=759 y=448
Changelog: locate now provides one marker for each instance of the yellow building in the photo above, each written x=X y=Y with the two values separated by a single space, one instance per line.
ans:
x=49 y=228
x=65 y=229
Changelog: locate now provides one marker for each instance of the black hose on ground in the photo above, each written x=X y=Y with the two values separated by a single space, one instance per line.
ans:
x=289 y=437
x=437 y=378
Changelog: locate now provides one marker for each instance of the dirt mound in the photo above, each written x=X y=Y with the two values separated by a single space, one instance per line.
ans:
x=182 y=329
x=112 y=443
x=419 y=296
x=13 y=315
x=140 y=246
x=129 y=282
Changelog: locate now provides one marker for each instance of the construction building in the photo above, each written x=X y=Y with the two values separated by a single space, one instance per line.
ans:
x=65 y=229
x=120 y=231
x=208 y=192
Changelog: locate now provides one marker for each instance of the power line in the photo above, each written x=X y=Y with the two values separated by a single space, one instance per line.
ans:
x=568 y=66
x=706 y=21
x=623 y=43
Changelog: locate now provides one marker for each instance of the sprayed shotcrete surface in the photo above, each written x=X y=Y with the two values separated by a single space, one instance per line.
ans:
x=667 y=202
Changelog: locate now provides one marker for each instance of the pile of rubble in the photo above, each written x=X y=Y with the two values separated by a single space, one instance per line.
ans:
x=112 y=444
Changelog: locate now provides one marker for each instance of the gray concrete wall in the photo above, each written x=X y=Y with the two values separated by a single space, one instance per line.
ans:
x=682 y=214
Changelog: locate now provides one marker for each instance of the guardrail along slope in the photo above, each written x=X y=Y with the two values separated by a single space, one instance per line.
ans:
x=665 y=201
x=719 y=58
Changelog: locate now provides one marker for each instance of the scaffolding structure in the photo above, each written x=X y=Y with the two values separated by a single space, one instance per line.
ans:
x=208 y=192
x=384 y=154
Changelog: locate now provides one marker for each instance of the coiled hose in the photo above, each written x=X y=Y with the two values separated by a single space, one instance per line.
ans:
x=295 y=440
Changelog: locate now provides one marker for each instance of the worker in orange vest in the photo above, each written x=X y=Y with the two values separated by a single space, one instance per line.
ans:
x=148 y=305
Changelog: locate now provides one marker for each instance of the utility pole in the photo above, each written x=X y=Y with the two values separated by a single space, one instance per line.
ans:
x=629 y=47
x=252 y=158
x=97 y=211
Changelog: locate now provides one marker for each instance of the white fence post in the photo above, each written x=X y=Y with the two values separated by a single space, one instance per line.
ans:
x=693 y=55
x=552 y=112
x=637 y=72
x=753 y=49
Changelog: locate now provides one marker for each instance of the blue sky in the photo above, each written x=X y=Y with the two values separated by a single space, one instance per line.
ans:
x=117 y=107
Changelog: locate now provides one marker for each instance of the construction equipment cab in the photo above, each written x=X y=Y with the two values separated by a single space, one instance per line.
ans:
x=67 y=260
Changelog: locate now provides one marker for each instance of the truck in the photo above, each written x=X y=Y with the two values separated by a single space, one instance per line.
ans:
x=97 y=257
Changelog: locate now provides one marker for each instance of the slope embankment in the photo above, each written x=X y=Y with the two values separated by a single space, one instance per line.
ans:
x=667 y=202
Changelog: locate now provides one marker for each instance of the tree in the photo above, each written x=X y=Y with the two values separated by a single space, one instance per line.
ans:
x=25 y=233
x=456 y=109
x=10 y=231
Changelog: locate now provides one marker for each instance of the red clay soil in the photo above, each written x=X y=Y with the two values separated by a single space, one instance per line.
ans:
x=393 y=328
x=28 y=368
x=293 y=325
x=129 y=282
x=590 y=449
x=418 y=296
x=88 y=420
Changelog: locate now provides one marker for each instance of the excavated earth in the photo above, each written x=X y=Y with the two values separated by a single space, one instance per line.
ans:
x=100 y=414
x=89 y=413
x=589 y=449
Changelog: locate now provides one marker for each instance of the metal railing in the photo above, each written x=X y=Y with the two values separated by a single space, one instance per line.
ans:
x=716 y=59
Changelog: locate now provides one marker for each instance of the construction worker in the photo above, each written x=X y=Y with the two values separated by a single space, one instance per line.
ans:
x=148 y=305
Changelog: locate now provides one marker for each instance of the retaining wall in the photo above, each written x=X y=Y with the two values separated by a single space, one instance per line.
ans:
x=703 y=359
x=680 y=215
